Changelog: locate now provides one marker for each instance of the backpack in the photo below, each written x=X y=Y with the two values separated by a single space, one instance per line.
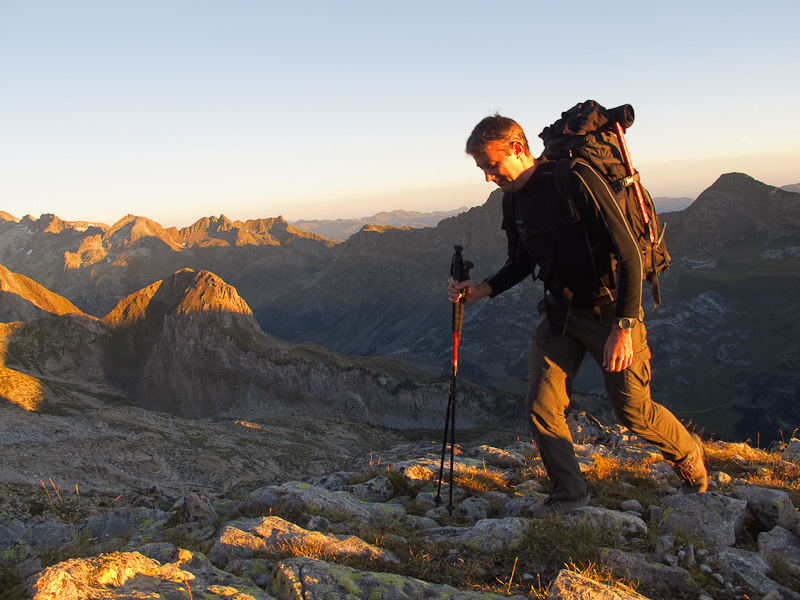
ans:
x=592 y=134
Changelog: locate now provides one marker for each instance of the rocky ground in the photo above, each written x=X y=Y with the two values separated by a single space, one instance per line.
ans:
x=326 y=510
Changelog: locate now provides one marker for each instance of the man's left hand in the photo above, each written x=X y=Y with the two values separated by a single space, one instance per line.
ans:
x=618 y=352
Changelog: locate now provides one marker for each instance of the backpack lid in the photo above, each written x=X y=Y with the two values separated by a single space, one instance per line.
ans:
x=580 y=120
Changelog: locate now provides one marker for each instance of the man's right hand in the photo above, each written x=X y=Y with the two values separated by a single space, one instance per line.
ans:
x=467 y=289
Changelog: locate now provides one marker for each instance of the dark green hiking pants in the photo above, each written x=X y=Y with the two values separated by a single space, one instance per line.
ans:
x=555 y=359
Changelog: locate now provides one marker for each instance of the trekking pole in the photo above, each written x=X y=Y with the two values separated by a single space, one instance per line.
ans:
x=633 y=178
x=459 y=270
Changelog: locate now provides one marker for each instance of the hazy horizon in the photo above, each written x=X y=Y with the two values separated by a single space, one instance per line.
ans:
x=426 y=201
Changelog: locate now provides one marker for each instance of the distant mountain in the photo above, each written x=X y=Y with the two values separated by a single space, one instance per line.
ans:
x=791 y=188
x=341 y=229
x=671 y=204
x=189 y=345
x=95 y=265
x=724 y=340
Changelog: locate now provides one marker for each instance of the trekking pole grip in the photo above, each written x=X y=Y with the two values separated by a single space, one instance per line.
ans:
x=459 y=270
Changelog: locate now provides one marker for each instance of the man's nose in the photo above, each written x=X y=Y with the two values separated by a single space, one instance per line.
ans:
x=489 y=177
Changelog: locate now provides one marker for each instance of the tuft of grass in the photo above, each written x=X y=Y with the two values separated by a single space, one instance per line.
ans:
x=604 y=575
x=608 y=475
x=555 y=546
x=757 y=467
x=478 y=480
x=781 y=571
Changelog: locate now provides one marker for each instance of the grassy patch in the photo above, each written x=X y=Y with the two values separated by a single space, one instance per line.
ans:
x=608 y=478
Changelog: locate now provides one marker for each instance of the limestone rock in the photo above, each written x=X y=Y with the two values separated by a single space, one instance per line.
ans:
x=249 y=538
x=742 y=566
x=496 y=457
x=635 y=567
x=486 y=535
x=336 y=506
x=132 y=575
x=714 y=518
x=770 y=507
x=123 y=523
x=198 y=508
x=782 y=545
x=378 y=489
x=473 y=509
x=618 y=522
x=302 y=578
x=792 y=451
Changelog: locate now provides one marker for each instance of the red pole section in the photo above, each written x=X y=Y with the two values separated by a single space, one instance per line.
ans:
x=626 y=158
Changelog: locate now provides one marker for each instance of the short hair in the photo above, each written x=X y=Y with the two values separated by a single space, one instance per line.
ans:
x=496 y=128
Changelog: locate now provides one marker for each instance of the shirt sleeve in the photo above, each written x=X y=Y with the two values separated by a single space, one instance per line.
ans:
x=518 y=264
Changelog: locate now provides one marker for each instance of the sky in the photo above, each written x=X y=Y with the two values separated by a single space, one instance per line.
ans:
x=177 y=110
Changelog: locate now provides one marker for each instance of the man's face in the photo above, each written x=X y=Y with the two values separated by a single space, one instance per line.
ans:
x=502 y=164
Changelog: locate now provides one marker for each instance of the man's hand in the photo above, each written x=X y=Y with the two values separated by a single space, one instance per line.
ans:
x=618 y=351
x=467 y=289
x=455 y=290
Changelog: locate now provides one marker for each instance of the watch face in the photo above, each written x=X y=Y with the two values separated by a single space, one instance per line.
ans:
x=625 y=323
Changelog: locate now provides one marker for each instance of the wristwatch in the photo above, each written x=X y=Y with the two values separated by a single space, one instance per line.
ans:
x=625 y=323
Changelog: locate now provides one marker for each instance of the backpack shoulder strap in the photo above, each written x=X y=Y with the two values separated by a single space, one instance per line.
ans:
x=561 y=176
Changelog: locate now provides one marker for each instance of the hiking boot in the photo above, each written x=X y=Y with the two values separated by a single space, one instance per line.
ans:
x=692 y=470
x=550 y=506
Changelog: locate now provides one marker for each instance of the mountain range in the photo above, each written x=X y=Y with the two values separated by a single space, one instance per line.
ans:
x=724 y=342
x=341 y=229
x=189 y=345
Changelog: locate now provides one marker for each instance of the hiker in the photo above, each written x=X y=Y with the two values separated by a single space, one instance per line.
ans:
x=578 y=313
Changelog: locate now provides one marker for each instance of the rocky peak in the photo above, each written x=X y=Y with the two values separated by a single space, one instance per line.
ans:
x=183 y=293
x=131 y=228
x=735 y=209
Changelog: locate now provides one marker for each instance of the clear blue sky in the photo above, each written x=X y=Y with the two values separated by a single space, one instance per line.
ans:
x=179 y=109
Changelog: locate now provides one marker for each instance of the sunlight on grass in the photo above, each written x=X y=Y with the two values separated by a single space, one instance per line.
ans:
x=479 y=480
x=613 y=480
x=309 y=546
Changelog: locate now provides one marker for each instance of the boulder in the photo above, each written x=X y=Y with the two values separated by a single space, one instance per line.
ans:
x=302 y=578
x=745 y=567
x=335 y=506
x=770 y=507
x=618 y=522
x=673 y=580
x=378 y=489
x=783 y=545
x=712 y=517
x=487 y=535
x=252 y=538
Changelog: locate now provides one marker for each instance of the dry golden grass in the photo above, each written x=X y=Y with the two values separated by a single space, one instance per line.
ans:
x=608 y=478
x=309 y=547
x=479 y=480
x=754 y=466
x=732 y=453
x=604 y=575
